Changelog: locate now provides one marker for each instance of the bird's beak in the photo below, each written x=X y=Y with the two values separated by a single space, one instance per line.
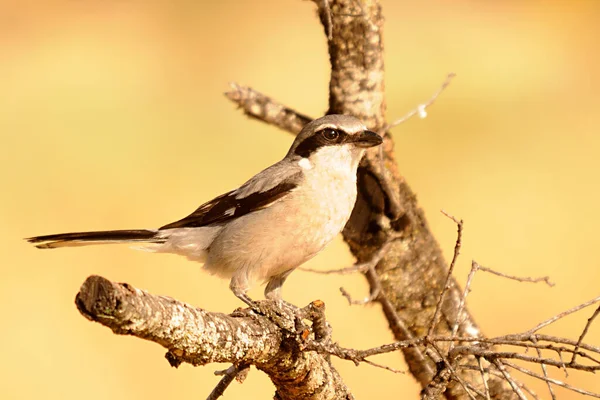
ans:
x=368 y=139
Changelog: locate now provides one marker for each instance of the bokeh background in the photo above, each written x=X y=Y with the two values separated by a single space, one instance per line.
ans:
x=112 y=116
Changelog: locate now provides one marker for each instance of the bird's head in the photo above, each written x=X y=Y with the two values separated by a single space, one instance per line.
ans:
x=333 y=141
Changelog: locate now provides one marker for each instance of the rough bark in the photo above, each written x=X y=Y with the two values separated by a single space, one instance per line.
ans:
x=413 y=272
x=200 y=337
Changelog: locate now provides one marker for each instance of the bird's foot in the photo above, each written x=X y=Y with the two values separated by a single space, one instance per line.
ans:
x=283 y=314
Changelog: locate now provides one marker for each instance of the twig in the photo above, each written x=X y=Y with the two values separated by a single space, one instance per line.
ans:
x=584 y=332
x=421 y=109
x=475 y=266
x=459 y=225
x=564 y=367
x=463 y=299
x=545 y=279
x=552 y=380
x=377 y=365
x=375 y=292
x=499 y=374
x=509 y=379
x=228 y=376
x=389 y=186
x=358 y=267
x=263 y=108
x=357 y=356
x=562 y=315
x=515 y=338
x=453 y=372
x=376 y=289
x=544 y=370
x=521 y=340
x=483 y=378
x=492 y=355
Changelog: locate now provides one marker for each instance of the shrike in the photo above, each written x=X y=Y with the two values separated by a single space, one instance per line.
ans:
x=266 y=228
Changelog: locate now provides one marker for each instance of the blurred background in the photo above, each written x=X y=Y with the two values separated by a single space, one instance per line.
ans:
x=112 y=116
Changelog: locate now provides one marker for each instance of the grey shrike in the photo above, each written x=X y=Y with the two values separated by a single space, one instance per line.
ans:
x=279 y=219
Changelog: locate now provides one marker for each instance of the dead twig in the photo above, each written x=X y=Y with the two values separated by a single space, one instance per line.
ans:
x=463 y=299
x=584 y=332
x=453 y=373
x=358 y=267
x=483 y=378
x=552 y=380
x=421 y=109
x=436 y=314
x=510 y=379
x=545 y=279
x=544 y=370
x=491 y=354
x=229 y=375
x=562 y=315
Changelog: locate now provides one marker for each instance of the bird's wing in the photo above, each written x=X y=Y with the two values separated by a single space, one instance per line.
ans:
x=261 y=191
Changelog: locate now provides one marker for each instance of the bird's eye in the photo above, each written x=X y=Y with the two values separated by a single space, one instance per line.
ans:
x=330 y=134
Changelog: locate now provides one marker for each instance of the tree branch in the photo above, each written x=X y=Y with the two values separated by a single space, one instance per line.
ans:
x=263 y=108
x=199 y=337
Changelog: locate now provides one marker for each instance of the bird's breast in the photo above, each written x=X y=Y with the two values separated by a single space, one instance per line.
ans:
x=327 y=203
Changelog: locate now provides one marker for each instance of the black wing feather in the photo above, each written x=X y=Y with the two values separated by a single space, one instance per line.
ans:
x=227 y=207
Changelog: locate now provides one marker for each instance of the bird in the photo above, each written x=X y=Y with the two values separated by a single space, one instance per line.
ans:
x=266 y=228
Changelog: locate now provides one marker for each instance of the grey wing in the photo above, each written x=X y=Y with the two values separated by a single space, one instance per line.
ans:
x=259 y=192
x=267 y=179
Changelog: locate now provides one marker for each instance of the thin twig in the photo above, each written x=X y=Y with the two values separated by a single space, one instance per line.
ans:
x=375 y=292
x=562 y=315
x=438 y=308
x=368 y=266
x=509 y=379
x=545 y=279
x=421 y=109
x=389 y=186
x=564 y=367
x=228 y=376
x=358 y=267
x=374 y=364
x=546 y=338
x=499 y=374
x=552 y=380
x=453 y=372
x=463 y=299
x=544 y=370
x=584 y=332
x=483 y=378
x=492 y=355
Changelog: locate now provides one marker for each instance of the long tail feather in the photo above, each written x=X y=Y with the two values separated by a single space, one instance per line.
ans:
x=100 y=237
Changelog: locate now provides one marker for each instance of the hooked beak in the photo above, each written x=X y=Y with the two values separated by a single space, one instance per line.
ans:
x=368 y=139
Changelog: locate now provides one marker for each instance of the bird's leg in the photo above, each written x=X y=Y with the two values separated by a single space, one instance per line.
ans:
x=273 y=288
x=274 y=309
x=246 y=299
x=239 y=287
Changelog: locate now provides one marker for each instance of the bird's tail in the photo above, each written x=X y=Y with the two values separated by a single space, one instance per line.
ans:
x=100 y=237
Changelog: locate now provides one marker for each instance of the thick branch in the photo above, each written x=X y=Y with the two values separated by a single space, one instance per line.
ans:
x=412 y=274
x=200 y=337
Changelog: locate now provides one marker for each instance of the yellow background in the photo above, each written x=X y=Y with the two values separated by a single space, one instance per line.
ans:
x=112 y=116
